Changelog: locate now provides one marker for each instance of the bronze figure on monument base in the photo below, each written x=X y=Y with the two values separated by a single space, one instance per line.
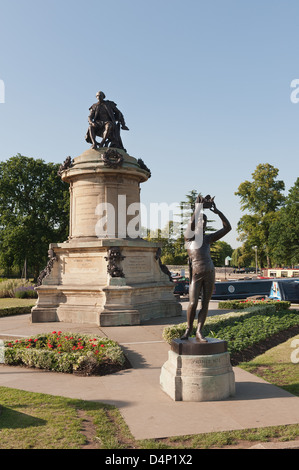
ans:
x=105 y=120
x=202 y=271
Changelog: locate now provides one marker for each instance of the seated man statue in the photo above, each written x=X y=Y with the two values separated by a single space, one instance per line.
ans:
x=202 y=271
x=105 y=121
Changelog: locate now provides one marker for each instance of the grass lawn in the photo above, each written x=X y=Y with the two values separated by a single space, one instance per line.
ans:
x=38 y=421
x=11 y=302
x=278 y=366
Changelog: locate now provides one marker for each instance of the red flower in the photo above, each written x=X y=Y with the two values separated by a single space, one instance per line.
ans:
x=102 y=346
x=53 y=332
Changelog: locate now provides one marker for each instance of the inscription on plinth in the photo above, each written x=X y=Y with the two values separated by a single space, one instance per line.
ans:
x=80 y=266
x=138 y=264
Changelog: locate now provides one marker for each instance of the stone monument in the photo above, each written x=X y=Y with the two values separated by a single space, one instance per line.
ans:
x=105 y=273
x=199 y=368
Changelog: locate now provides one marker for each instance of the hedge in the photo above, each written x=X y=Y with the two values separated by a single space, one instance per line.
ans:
x=244 y=304
x=5 y=312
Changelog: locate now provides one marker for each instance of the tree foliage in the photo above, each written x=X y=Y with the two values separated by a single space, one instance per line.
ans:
x=262 y=198
x=34 y=212
x=284 y=232
x=172 y=237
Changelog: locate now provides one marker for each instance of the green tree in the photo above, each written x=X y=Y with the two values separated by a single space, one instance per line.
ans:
x=262 y=197
x=243 y=256
x=34 y=212
x=172 y=237
x=219 y=251
x=284 y=233
x=187 y=208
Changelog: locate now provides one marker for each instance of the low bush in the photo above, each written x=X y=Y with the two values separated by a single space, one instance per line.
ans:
x=244 y=304
x=66 y=352
x=242 y=329
x=175 y=331
x=9 y=287
x=25 y=292
x=6 y=312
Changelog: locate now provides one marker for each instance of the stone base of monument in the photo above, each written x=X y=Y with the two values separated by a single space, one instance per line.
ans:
x=105 y=273
x=198 y=371
x=79 y=290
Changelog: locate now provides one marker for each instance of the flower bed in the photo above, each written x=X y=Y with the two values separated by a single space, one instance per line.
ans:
x=66 y=352
x=242 y=329
x=216 y=321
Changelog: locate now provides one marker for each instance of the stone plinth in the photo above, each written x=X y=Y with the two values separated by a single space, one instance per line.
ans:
x=197 y=371
x=83 y=285
x=93 y=185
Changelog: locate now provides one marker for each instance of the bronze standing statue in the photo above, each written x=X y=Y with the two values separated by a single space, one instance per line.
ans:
x=202 y=271
x=105 y=120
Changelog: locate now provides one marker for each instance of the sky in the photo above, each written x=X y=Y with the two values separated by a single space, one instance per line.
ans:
x=207 y=88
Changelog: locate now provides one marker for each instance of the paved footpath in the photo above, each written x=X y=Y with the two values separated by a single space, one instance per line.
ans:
x=148 y=411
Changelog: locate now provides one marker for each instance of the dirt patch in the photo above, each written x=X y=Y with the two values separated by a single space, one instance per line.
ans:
x=89 y=431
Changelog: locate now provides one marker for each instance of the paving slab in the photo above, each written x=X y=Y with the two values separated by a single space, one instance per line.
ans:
x=147 y=410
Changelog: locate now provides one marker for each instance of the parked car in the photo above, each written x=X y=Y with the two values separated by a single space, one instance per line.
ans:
x=181 y=285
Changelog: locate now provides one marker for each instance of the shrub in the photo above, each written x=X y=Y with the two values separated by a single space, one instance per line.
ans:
x=64 y=352
x=5 y=312
x=9 y=287
x=242 y=329
x=25 y=292
x=226 y=319
x=244 y=304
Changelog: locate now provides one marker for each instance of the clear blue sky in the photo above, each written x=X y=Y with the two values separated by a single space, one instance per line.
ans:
x=204 y=87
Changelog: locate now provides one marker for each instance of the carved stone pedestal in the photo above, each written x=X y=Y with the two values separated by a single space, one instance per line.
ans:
x=105 y=274
x=197 y=371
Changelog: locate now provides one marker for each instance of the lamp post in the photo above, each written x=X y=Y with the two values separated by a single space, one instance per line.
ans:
x=255 y=249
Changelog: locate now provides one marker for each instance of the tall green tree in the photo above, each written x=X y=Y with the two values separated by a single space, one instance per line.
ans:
x=219 y=251
x=262 y=198
x=284 y=233
x=34 y=212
